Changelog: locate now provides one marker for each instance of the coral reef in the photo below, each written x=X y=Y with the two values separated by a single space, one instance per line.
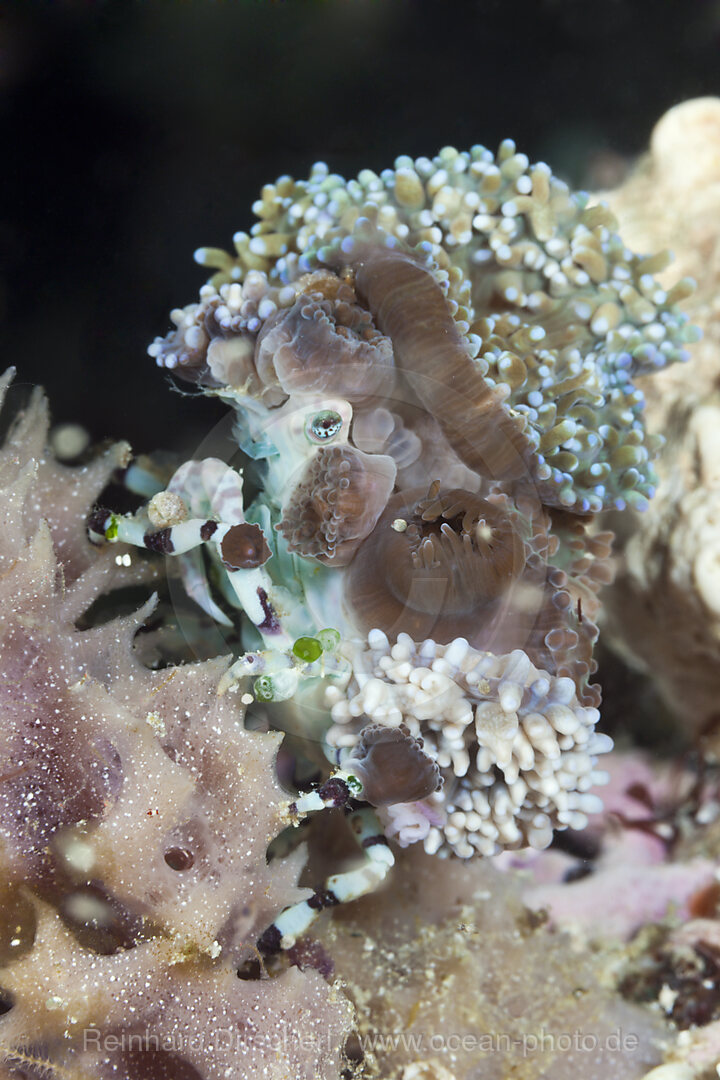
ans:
x=465 y=315
x=633 y=865
x=437 y=379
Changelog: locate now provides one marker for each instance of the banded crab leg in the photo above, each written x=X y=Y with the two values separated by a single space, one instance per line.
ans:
x=250 y=585
x=203 y=506
x=387 y=766
x=378 y=860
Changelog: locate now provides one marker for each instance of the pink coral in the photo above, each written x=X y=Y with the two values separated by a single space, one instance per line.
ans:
x=135 y=812
x=630 y=876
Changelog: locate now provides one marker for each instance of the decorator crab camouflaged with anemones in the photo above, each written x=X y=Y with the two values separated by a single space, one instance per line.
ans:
x=431 y=371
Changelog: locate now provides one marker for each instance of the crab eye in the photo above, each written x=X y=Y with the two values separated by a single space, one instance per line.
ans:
x=323 y=426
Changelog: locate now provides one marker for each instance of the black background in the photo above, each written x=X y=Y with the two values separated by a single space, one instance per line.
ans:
x=133 y=133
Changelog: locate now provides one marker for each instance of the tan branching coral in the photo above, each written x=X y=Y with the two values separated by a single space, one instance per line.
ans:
x=665 y=608
x=135 y=813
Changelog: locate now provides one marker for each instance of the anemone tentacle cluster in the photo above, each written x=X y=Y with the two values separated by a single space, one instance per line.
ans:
x=515 y=747
x=556 y=312
x=434 y=368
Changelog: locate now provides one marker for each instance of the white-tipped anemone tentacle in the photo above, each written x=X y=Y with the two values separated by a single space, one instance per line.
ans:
x=516 y=749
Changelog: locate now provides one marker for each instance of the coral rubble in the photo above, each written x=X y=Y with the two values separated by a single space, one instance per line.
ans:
x=453 y=980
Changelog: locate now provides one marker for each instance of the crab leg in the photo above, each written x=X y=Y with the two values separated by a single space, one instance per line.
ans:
x=337 y=791
x=378 y=860
x=250 y=586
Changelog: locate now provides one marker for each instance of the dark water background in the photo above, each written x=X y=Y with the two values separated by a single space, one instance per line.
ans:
x=133 y=133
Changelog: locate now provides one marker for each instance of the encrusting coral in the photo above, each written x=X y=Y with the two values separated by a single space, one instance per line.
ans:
x=134 y=816
x=643 y=857
x=452 y=980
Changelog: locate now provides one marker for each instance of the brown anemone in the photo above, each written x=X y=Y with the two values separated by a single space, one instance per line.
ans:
x=336 y=503
x=448 y=564
x=392 y=766
x=408 y=304
x=325 y=344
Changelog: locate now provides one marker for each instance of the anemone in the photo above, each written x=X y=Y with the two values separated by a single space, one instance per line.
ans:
x=440 y=563
x=336 y=503
x=515 y=747
x=557 y=314
x=326 y=343
x=410 y=306
x=435 y=366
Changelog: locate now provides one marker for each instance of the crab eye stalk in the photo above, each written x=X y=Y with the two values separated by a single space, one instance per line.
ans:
x=323 y=426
